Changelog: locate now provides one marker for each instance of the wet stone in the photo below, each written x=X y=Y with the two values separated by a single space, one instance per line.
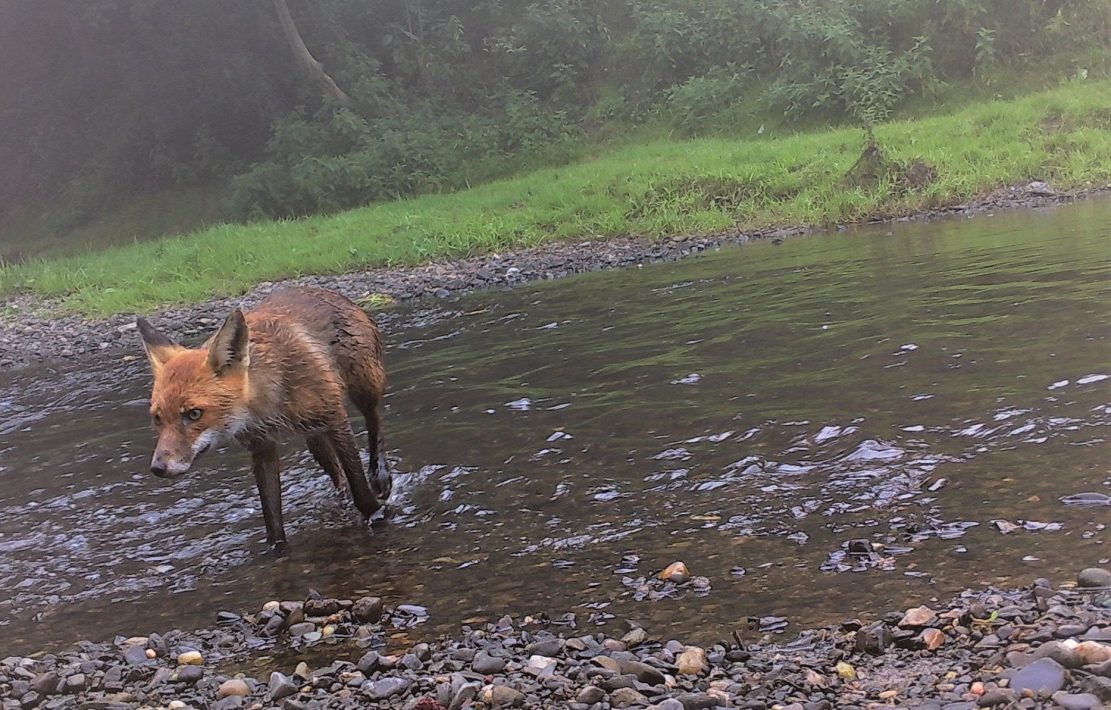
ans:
x=697 y=701
x=368 y=663
x=590 y=694
x=45 y=684
x=228 y=703
x=281 y=686
x=626 y=698
x=233 y=686
x=466 y=693
x=486 y=664
x=225 y=618
x=386 y=688
x=995 y=697
x=136 y=656
x=643 y=672
x=1094 y=577
x=1077 y=701
x=302 y=628
x=692 y=661
x=501 y=696
x=188 y=674
x=1043 y=676
x=545 y=647
x=190 y=658
x=918 y=617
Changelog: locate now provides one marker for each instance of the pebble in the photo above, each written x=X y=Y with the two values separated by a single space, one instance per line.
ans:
x=386 y=688
x=918 y=617
x=1043 y=676
x=692 y=661
x=1077 y=701
x=590 y=695
x=627 y=697
x=190 y=658
x=1094 y=577
x=367 y=610
x=188 y=674
x=675 y=572
x=281 y=686
x=501 y=696
x=233 y=686
x=486 y=664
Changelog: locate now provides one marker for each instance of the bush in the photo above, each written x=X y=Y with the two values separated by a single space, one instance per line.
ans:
x=337 y=160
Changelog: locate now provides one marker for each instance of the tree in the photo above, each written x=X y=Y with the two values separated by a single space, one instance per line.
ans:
x=304 y=57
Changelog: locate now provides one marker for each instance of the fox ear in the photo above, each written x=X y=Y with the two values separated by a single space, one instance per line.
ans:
x=158 y=347
x=230 y=348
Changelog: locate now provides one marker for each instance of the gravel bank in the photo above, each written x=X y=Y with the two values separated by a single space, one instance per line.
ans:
x=1039 y=647
x=27 y=337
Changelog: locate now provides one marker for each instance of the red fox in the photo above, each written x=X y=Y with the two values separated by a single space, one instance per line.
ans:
x=284 y=367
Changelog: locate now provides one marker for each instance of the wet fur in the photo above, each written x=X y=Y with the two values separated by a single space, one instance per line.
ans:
x=286 y=367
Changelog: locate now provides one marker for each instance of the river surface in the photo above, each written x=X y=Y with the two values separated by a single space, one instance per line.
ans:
x=935 y=389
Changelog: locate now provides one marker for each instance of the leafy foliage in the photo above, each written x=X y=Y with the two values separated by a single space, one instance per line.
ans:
x=108 y=98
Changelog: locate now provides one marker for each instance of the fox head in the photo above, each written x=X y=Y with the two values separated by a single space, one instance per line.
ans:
x=199 y=395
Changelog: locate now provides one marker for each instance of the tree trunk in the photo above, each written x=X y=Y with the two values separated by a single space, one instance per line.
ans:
x=304 y=57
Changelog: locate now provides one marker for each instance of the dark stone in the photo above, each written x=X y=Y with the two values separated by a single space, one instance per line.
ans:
x=590 y=695
x=228 y=703
x=367 y=610
x=225 y=618
x=486 y=664
x=386 y=688
x=46 y=683
x=1077 y=701
x=997 y=696
x=696 y=701
x=545 y=647
x=368 y=662
x=1094 y=577
x=136 y=656
x=320 y=607
x=281 y=686
x=873 y=639
x=643 y=672
x=1044 y=675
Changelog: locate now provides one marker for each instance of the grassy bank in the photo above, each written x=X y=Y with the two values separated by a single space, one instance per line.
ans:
x=658 y=188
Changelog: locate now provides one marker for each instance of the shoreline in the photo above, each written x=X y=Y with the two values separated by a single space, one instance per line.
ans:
x=1037 y=646
x=27 y=337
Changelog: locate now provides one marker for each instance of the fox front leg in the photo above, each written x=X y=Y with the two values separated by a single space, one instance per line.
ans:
x=264 y=456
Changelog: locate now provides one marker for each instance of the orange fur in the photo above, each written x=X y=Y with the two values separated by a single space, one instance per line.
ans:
x=285 y=367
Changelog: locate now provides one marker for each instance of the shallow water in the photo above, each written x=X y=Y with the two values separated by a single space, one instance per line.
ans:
x=747 y=412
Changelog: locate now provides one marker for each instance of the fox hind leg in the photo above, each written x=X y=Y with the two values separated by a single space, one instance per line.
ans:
x=343 y=442
x=379 y=470
x=325 y=454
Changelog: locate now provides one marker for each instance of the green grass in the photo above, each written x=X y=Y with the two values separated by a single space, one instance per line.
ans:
x=656 y=188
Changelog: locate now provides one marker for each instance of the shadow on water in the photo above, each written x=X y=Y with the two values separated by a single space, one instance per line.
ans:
x=748 y=412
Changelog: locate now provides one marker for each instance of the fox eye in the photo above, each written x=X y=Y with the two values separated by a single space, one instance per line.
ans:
x=157 y=419
x=194 y=414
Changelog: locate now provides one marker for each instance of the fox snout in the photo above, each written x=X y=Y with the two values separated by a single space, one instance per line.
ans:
x=165 y=465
